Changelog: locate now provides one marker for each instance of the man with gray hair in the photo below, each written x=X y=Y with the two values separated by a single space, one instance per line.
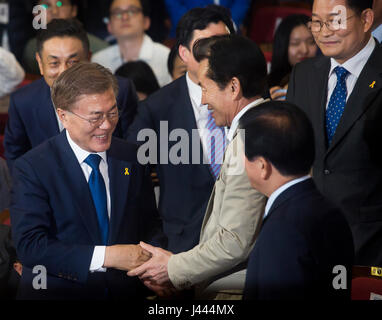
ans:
x=81 y=200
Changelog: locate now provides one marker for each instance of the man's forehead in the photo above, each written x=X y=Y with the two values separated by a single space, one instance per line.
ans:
x=124 y=3
x=62 y=43
x=329 y=7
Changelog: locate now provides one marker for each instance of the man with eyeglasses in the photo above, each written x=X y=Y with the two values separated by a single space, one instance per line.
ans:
x=341 y=93
x=82 y=202
x=128 y=21
x=32 y=117
x=64 y=9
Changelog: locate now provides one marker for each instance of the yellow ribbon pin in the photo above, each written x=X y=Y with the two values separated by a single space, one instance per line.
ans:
x=372 y=85
x=127 y=173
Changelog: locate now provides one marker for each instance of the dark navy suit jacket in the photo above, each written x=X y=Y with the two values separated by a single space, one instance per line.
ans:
x=302 y=239
x=32 y=119
x=54 y=222
x=184 y=188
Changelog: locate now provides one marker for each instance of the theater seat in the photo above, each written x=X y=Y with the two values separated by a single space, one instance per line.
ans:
x=264 y=21
x=366 y=283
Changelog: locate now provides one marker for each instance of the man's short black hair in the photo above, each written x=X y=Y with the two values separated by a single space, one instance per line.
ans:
x=145 y=4
x=281 y=133
x=199 y=19
x=63 y=28
x=232 y=56
x=360 y=5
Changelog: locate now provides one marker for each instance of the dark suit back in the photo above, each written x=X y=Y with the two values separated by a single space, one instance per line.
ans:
x=54 y=222
x=184 y=188
x=349 y=172
x=32 y=118
x=302 y=239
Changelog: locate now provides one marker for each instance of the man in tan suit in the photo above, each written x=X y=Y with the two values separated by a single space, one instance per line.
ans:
x=232 y=75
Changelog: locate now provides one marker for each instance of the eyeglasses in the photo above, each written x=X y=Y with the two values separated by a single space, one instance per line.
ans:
x=98 y=120
x=58 y=4
x=131 y=12
x=333 y=25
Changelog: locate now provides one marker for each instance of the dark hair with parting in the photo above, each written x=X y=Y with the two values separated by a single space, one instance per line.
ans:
x=84 y=78
x=281 y=133
x=141 y=74
x=63 y=28
x=232 y=56
x=145 y=4
x=199 y=19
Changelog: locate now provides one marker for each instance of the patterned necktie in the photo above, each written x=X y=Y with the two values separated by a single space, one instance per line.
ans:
x=337 y=103
x=98 y=191
x=216 y=141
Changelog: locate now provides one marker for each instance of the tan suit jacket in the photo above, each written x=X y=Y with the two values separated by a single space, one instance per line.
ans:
x=231 y=223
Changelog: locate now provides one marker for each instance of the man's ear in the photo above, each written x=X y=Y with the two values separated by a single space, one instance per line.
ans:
x=146 y=23
x=38 y=58
x=235 y=88
x=367 y=19
x=62 y=116
x=265 y=167
x=74 y=11
x=184 y=53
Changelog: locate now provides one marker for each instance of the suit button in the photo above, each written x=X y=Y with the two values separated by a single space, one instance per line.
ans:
x=327 y=172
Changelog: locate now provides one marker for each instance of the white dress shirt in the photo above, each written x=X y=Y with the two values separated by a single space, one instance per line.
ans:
x=377 y=33
x=200 y=113
x=354 y=65
x=153 y=53
x=81 y=154
x=235 y=121
x=280 y=190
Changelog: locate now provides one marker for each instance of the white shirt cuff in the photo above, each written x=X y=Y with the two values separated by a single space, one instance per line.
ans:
x=98 y=259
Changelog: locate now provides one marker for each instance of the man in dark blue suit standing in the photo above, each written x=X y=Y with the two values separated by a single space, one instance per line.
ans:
x=305 y=240
x=32 y=117
x=185 y=187
x=81 y=200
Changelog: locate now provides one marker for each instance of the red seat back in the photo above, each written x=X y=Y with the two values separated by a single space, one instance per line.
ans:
x=264 y=21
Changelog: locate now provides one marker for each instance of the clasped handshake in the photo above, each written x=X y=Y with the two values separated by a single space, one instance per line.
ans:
x=145 y=261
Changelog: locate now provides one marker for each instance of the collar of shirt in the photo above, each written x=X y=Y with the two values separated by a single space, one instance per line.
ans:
x=280 y=190
x=378 y=33
x=235 y=121
x=82 y=154
x=356 y=64
x=194 y=90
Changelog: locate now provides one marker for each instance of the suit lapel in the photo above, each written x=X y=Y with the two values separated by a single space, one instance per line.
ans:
x=368 y=85
x=319 y=101
x=119 y=176
x=45 y=113
x=72 y=172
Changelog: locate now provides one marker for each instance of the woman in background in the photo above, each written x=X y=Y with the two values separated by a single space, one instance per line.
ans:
x=293 y=43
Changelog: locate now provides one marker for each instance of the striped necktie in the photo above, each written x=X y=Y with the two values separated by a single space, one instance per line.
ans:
x=216 y=142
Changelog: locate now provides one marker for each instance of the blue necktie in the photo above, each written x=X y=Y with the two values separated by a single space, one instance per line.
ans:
x=337 y=103
x=216 y=142
x=98 y=192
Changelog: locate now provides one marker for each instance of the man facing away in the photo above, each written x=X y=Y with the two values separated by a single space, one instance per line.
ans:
x=304 y=240
x=81 y=201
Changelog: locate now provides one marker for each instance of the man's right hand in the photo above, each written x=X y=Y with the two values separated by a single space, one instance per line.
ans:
x=125 y=256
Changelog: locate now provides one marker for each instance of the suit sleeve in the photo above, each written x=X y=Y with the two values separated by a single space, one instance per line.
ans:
x=292 y=87
x=237 y=220
x=31 y=218
x=127 y=106
x=281 y=267
x=16 y=141
x=151 y=223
